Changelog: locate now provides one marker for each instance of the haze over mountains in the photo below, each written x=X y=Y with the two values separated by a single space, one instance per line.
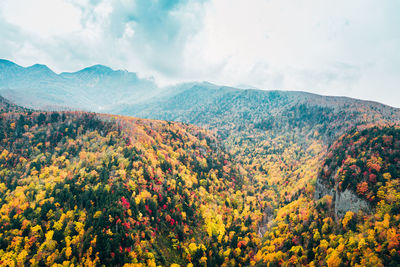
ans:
x=101 y=89
x=94 y=88
x=228 y=110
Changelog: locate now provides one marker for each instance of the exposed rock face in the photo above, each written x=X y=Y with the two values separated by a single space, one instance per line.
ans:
x=344 y=201
x=348 y=201
x=322 y=189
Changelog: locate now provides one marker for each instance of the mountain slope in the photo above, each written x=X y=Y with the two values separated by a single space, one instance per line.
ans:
x=7 y=106
x=358 y=166
x=214 y=106
x=366 y=162
x=80 y=188
x=281 y=139
x=273 y=134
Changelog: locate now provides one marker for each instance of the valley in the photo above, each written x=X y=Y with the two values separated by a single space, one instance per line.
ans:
x=194 y=174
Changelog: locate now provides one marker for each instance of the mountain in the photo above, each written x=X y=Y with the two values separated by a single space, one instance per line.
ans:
x=210 y=176
x=107 y=190
x=95 y=88
x=281 y=140
x=273 y=134
x=212 y=106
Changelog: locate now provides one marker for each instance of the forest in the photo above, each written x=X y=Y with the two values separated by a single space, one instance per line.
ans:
x=89 y=189
x=77 y=188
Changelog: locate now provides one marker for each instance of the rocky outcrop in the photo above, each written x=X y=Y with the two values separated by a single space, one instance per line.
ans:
x=348 y=201
x=344 y=201
x=322 y=189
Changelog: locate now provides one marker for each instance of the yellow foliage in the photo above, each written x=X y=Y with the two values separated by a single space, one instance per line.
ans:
x=68 y=252
x=192 y=247
x=97 y=214
x=347 y=217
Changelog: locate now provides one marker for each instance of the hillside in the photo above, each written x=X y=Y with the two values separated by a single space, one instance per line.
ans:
x=362 y=169
x=98 y=189
x=232 y=109
x=7 y=106
x=280 y=138
x=365 y=161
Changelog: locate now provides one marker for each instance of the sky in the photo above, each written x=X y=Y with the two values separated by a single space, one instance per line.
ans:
x=341 y=47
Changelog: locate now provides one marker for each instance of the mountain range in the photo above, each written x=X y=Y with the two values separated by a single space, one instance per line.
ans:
x=208 y=176
x=39 y=87
x=99 y=88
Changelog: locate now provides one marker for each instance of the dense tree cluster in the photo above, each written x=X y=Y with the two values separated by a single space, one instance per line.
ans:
x=364 y=161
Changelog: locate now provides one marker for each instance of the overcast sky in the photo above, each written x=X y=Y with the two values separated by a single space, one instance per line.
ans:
x=341 y=47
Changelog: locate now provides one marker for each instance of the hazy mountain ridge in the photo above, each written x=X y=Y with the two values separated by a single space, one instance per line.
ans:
x=228 y=109
x=101 y=89
x=94 y=88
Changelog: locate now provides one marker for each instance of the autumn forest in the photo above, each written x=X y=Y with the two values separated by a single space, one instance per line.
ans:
x=242 y=178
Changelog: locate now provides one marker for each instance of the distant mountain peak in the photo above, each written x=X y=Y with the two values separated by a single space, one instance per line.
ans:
x=97 y=69
x=7 y=63
x=40 y=67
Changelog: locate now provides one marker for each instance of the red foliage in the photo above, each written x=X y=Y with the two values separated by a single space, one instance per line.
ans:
x=125 y=203
x=362 y=188
x=372 y=178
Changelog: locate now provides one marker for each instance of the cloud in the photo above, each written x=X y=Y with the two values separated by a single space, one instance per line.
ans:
x=331 y=48
x=143 y=35
x=335 y=48
x=157 y=30
x=43 y=18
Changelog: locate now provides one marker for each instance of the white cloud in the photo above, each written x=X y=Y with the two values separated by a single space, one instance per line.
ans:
x=335 y=48
x=45 y=18
x=332 y=48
